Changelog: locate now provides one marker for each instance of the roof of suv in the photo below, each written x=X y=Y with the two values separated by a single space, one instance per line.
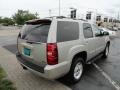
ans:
x=49 y=19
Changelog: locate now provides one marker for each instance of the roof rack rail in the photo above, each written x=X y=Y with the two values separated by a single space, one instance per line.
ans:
x=83 y=20
x=62 y=17
x=57 y=17
x=80 y=19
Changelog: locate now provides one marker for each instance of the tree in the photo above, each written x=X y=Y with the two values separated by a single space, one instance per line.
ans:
x=0 y=19
x=21 y=16
x=7 y=21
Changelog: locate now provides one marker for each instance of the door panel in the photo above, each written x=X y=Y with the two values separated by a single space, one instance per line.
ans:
x=90 y=45
x=100 y=44
x=100 y=40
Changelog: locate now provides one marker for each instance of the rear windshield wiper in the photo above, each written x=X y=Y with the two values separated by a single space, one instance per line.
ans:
x=33 y=42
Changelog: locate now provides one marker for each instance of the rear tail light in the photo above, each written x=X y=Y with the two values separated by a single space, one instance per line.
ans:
x=52 y=54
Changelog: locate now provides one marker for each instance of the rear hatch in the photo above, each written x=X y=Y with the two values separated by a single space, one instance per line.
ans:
x=32 y=40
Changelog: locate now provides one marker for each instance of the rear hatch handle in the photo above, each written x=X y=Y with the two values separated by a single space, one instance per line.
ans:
x=33 y=42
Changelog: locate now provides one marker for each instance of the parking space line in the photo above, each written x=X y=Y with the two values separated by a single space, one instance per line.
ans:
x=107 y=77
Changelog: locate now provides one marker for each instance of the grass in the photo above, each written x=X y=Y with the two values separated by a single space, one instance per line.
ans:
x=5 y=84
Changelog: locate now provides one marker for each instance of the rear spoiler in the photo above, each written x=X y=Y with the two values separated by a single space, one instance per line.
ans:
x=38 y=21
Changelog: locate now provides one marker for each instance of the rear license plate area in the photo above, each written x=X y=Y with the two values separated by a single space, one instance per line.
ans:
x=27 y=51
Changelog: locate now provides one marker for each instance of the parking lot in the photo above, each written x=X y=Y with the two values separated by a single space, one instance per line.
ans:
x=102 y=75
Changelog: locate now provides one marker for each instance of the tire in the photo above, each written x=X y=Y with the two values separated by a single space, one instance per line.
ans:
x=76 y=70
x=106 y=51
x=24 y=68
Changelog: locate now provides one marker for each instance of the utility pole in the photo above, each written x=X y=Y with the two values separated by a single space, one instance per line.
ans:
x=50 y=12
x=118 y=16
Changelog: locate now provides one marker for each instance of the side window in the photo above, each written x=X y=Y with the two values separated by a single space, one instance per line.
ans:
x=96 y=30
x=87 y=30
x=67 y=31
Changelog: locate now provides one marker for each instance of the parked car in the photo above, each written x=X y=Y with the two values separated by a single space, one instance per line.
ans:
x=118 y=28
x=5 y=24
x=111 y=33
x=115 y=29
x=57 y=46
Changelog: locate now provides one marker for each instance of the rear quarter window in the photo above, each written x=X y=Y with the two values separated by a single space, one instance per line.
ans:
x=67 y=31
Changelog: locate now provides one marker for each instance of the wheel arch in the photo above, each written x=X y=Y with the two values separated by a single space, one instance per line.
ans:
x=82 y=54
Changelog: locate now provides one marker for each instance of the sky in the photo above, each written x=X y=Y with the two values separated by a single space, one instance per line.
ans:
x=42 y=7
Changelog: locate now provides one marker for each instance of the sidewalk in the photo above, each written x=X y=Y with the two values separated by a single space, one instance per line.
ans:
x=25 y=80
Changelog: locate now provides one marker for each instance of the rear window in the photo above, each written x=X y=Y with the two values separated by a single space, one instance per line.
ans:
x=67 y=31
x=36 y=33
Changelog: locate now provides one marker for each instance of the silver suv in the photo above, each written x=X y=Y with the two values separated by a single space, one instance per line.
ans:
x=54 y=47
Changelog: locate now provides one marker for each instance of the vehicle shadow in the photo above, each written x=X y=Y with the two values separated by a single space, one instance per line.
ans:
x=87 y=70
x=12 y=48
x=91 y=79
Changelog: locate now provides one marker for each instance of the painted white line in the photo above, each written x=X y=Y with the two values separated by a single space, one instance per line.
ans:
x=107 y=77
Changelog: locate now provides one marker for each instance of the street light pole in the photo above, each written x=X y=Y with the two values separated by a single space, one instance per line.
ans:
x=50 y=12
x=59 y=8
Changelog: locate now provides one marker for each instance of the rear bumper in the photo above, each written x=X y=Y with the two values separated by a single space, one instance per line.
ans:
x=26 y=62
x=46 y=71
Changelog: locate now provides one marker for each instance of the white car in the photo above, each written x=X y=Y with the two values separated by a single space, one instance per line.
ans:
x=111 y=33
x=115 y=29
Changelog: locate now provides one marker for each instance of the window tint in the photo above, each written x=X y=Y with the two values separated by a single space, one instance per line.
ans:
x=96 y=30
x=37 y=33
x=87 y=30
x=67 y=31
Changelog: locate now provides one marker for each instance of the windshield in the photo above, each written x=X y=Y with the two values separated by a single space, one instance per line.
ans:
x=36 y=33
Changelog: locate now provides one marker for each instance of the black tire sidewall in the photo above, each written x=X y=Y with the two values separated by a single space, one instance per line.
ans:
x=71 y=73
x=104 y=54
